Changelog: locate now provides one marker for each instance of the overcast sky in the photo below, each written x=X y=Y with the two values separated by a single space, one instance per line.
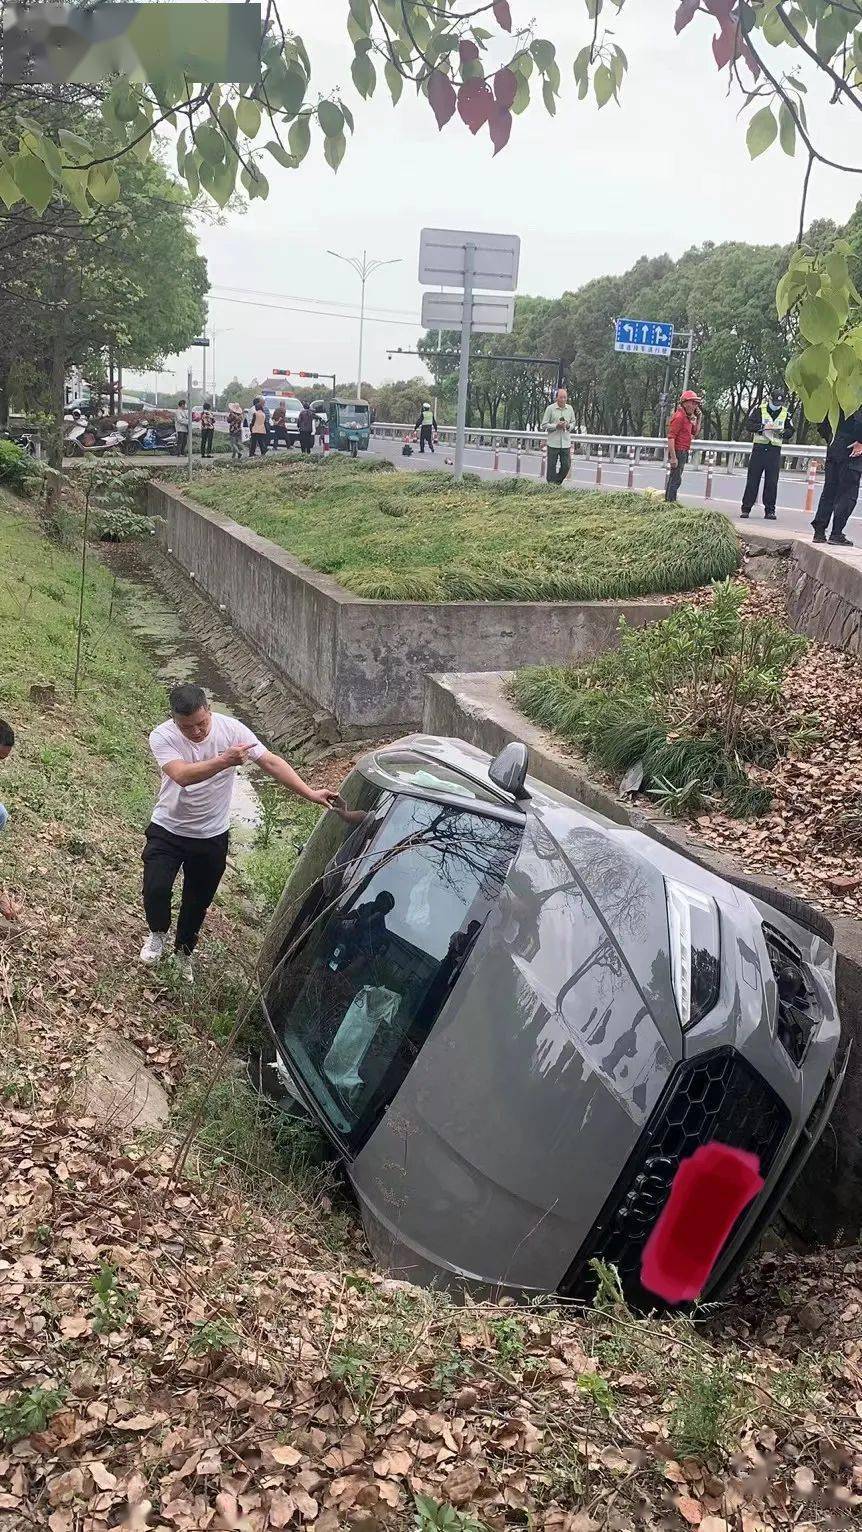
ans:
x=587 y=191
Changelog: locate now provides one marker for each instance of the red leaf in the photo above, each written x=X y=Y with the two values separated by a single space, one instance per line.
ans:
x=505 y=87
x=724 y=45
x=441 y=94
x=499 y=126
x=502 y=15
x=468 y=51
x=474 y=104
x=686 y=13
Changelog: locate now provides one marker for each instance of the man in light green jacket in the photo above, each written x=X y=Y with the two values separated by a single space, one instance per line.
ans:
x=557 y=421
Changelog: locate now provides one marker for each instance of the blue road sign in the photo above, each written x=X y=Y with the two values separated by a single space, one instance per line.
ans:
x=648 y=336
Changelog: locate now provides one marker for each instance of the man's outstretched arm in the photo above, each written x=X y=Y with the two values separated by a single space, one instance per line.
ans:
x=275 y=766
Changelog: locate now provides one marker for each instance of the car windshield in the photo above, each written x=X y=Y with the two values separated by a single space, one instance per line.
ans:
x=392 y=901
x=352 y=418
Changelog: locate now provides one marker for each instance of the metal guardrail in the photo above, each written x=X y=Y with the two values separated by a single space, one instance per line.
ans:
x=629 y=449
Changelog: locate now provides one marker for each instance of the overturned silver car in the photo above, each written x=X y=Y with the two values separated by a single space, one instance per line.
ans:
x=515 y=1018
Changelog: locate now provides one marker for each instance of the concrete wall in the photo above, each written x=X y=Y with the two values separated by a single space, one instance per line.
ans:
x=826 y=1203
x=824 y=596
x=364 y=662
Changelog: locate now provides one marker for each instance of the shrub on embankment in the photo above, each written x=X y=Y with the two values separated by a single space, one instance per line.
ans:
x=693 y=700
x=421 y=537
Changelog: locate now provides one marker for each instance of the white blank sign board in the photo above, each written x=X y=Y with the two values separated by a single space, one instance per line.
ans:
x=491 y=314
x=495 y=261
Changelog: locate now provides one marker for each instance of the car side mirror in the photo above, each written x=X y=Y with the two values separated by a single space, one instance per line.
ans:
x=508 y=770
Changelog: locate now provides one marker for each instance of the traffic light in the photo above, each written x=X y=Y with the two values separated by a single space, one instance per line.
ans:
x=285 y=372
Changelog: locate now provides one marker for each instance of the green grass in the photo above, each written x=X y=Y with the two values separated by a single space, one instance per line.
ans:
x=118 y=699
x=694 y=700
x=420 y=537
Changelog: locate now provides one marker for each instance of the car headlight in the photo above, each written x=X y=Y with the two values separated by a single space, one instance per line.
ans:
x=694 y=950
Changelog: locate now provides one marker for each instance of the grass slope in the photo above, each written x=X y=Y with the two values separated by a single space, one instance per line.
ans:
x=118 y=703
x=420 y=537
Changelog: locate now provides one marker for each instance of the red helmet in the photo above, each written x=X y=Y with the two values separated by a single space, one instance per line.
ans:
x=689 y=397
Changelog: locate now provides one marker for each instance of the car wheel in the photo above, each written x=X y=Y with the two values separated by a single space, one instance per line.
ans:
x=787 y=904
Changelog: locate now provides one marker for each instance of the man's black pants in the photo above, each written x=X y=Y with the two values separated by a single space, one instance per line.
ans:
x=765 y=460
x=559 y=464
x=207 y=434
x=258 y=442
x=182 y=443
x=426 y=434
x=674 y=478
x=203 y=864
x=306 y=439
x=838 y=500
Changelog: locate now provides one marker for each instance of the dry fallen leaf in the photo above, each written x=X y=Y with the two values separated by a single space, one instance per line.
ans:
x=689 y=1508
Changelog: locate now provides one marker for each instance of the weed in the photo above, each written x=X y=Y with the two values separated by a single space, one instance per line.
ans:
x=349 y=1367
x=213 y=1337
x=598 y=1390
x=432 y=1516
x=609 y=1297
x=113 y=1305
x=29 y=1411
x=284 y=828
x=708 y=1406
x=508 y=1337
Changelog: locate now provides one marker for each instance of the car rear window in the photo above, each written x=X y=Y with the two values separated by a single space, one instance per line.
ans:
x=389 y=916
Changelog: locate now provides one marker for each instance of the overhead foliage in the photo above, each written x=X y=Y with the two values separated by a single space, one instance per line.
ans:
x=473 y=63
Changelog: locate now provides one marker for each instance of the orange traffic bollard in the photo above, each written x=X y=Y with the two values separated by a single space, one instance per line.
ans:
x=630 y=481
x=598 y=473
x=543 y=470
x=707 y=494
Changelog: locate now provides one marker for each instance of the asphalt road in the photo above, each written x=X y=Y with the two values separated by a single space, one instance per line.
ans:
x=726 y=487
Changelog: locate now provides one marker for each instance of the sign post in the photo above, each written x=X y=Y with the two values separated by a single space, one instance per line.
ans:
x=464 y=364
x=467 y=261
x=189 y=421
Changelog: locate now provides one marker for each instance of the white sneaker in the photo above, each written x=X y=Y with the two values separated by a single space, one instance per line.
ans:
x=184 y=968
x=153 y=948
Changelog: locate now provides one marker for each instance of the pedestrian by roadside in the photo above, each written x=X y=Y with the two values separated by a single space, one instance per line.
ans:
x=305 y=427
x=259 y=426
x=321 y=431
x=426 y=425
x=683 y=428
x=181 y=426
x=198 y=753
x=558 y=421
x=235 y=419
x=841 y=482
x=279 y=427
x=772 y=424
x=9 y=907
x=207 y=429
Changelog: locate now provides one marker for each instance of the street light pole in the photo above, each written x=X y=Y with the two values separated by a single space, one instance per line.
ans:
x=364 y=269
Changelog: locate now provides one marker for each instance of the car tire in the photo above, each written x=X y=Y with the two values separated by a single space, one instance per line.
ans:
x=787 y=904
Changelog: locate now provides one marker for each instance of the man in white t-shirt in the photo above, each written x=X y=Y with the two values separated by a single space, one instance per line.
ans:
x=198 y=752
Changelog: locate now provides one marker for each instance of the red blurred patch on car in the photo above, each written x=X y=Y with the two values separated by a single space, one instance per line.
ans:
x=709 y=1191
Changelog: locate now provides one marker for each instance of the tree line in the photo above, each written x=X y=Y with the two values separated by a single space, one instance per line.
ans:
x=724 y=293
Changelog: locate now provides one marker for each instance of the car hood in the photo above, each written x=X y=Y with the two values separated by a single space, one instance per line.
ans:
x=531 y=1092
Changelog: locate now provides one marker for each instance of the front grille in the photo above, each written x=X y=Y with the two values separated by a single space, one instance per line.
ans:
x=796 y=1019
x=715 y=1097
